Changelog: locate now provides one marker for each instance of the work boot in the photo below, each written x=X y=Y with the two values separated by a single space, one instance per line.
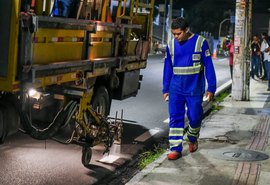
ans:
x=193 y=146
x=174 y=155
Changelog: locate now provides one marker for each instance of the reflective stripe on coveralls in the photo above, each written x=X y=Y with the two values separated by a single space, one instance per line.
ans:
x=172 y=50
x=176 y=132
x=187 y=70
x=195 y=69
x=198 y=46
x=175 y=142
x=199 y=43
x=193 y=131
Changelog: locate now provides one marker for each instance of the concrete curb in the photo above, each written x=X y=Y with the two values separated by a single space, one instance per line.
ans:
x=139 y=176
x=208 y=105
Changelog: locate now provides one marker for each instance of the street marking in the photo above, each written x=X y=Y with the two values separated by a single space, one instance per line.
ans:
x=109 y=159
x=166 y=120
x=147 y=135
x=222 y=59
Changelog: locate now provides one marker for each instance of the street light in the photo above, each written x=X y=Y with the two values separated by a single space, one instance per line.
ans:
x=220 y=24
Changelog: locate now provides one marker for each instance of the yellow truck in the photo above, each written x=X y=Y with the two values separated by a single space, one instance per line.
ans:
x=63 y=61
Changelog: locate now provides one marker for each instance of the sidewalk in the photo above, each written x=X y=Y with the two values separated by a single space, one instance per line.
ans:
x=227 y=143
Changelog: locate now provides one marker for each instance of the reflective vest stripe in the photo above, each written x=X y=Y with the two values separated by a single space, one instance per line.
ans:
x=171 y=48
x=199 y=43
x=198 y=46
x=187 y=70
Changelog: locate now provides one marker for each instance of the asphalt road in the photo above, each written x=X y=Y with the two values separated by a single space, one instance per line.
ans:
x=25 y=161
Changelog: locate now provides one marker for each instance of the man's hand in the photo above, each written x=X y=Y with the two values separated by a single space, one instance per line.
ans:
x=166 y=96
x=210 y=96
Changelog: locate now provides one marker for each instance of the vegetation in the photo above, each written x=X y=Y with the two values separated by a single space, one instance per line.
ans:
x=222 y=96
x=150 y=156
x=218 y=99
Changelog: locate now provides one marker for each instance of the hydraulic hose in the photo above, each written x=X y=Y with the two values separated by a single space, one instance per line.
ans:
x=54 y=126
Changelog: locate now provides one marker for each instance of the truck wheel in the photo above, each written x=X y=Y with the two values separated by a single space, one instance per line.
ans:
x=3 y=125
x=101 y=101
x=86 y=155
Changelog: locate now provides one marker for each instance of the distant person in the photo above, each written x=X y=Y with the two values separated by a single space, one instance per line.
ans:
x=157 y=47
x=218 y=48
x=65 y=8
x=224 y=47
x=265 y=49
x=255 y=57
x=186 y=64
x=230 y=47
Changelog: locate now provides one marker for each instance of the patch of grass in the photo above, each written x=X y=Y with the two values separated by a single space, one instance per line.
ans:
x=219 y=99
x=222 y=96
x=150 y=156
x=216 y=107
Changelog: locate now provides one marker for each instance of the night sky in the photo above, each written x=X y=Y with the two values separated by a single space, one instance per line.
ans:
x=260 y=6
x=205 y=15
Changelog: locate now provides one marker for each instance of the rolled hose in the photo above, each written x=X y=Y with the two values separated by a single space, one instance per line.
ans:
x=54 y=126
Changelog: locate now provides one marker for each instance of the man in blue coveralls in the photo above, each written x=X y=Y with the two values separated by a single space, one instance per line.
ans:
x=188 y=61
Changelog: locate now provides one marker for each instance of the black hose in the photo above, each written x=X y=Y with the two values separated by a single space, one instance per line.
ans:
x=49 y=131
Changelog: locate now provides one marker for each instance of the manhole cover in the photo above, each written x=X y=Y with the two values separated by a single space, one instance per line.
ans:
x=265 y=111
x=258 y=111
x=241 y=155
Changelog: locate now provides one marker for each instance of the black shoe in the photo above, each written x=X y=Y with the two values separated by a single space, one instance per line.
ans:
x=268 y=89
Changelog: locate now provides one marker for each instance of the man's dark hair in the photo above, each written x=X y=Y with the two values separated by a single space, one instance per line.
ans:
x=179 y=22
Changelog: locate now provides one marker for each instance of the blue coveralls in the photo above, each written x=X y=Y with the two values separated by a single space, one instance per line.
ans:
x=185 y=67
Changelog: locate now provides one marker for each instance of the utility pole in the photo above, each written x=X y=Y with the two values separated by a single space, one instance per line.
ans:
x=269 y=26
x=240 y=85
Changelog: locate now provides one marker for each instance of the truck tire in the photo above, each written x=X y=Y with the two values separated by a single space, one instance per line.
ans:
x=86 y=155
x=13 y=118
x=3 y=125
x=101 y=101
